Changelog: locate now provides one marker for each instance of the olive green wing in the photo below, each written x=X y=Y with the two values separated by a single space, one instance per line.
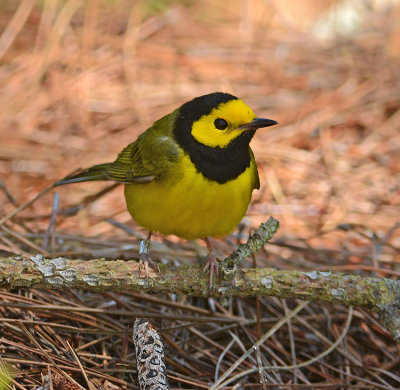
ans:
x=129 y=166
x=147 y=159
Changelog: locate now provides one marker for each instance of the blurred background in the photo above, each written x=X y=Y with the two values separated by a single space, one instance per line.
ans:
x=79 y=80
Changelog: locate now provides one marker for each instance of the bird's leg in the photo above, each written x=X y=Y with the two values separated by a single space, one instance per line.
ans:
x=211 y=264
x=144 y=250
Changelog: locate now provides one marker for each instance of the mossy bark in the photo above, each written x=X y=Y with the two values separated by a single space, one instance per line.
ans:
x=378 y=294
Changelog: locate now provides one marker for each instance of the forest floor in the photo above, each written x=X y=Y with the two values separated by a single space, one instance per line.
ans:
x=78 y=83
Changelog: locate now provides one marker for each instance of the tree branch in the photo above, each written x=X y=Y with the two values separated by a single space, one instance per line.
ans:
x=381 y=295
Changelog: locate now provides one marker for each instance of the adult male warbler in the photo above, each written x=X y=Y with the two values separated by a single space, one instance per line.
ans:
x=191 y=174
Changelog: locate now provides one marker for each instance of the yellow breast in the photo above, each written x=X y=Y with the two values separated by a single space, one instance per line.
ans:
x=187 y=205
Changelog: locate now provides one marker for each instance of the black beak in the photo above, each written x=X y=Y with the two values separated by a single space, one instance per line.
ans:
x=257 y=123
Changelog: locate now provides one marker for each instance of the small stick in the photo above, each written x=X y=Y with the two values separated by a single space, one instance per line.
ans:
x=152 y=372
x=8 y=194
x=263 y=234
x=25 y=205
x=50 y=232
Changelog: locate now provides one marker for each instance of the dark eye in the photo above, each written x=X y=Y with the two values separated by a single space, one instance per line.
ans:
x=220 y=124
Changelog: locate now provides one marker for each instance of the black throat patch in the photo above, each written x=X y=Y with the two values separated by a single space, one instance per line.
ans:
x=217 y=164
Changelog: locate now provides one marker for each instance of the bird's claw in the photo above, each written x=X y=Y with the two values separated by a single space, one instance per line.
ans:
x=144 y=264
x=212 y=267
x=144 y=258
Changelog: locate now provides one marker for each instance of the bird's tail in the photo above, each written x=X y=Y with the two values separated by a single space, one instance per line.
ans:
x=97 y=172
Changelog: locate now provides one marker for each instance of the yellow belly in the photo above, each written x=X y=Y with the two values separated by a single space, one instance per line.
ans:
x=187 y=205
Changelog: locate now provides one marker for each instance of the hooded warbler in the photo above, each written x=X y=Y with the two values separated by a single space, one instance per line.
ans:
x=191 y=174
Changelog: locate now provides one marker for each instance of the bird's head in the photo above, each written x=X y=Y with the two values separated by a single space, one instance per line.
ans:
x=216 y=120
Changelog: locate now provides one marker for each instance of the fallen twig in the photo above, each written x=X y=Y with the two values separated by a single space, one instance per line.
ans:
x=381 y=295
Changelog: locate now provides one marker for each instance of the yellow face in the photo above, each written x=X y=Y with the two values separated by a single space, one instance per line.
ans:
x=221 y=125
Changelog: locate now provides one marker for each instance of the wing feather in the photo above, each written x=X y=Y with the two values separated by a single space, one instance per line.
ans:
x=150 y=157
